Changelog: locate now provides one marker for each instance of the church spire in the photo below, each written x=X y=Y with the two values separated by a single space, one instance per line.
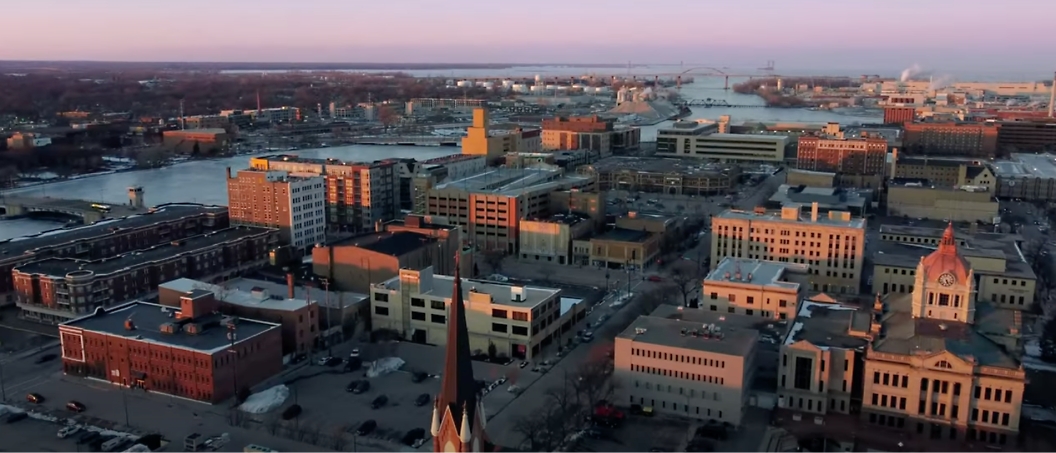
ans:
x=948 y=245
x=459 y=392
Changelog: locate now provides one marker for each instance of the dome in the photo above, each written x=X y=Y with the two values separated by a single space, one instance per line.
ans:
x=945 y=260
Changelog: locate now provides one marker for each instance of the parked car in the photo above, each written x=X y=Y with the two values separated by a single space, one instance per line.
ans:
x=299 y=358
x=379 y=402
x=35 y=398
x=353 y=364
x=418 y=376
x=46 y=358
x=88 y=437
x=330 y=361
x=68 y=431
x=292 y=412
x=422 y=400
x=354 y=353
x=351 y=387
x=656 y=278
x=367 y=427
x=16 y=417
x=75 y=406
x=413 y=436
x=361 y=387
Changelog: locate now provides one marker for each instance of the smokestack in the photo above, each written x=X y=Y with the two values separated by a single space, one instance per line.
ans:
x=289 y=286
x=814 y=212
x=1052 y=96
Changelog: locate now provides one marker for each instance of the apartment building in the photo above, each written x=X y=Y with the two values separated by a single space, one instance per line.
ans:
x=699 y=139
x=865 y=156
x=502 y=319
x=59 y=289
x=358 y=194
x=751 y=287
x=662 y=175
x=490 y=205
x=1036 y=135
x=944 y=172
x=482 y=140
x=1002 y=276
x=291 y=203
x=898 y=114
x=691 y=365
x=160 y=225
x=832 y=246
x=951 y=139
x=593 y=133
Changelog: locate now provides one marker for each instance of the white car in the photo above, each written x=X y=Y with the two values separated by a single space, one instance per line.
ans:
x=354 y=353
x=68 y=431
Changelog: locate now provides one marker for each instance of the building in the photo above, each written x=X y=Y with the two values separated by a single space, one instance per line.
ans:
x=458 y=410
x=1002 y=275
x=662 y=175
x=818 y=179
x=188 y=352
x=26 y=140
x=275 y=115
x=574 y=201
x=58 y=289
x=592 y=133
x=833 y=246
x=488 y=206
x=433 y=106
x=1035 y=135
x=951 y=139
x=290 y=203
x=1029 y=177
x=205 y=122
x=865 y=156
x=481 y=140
x=767 y=289
x=186 y=141
x=944 y=361
x=699 y=139
x=958 y=204
x=503 y=320
x=160 y=225
x=897 y=114
x=550 y=239
x=682 y=367
x=621 y=248
x=358 y=194
x=943 y=172
x=856 y=202
x=359 y=262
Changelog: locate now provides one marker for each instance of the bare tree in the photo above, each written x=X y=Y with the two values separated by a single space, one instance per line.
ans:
x=387 y=116
x=272 y=424
x=532 y=427
x=592 y=381
x=685 y=277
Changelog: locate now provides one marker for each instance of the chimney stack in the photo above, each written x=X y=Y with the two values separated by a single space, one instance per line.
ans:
x=289 y=286
x=1052 y=95
x=814 y=212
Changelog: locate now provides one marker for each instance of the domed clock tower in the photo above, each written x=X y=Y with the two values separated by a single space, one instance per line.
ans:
x=945 y=285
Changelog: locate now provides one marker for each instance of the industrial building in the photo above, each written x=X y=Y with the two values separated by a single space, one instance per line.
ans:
x=356 y=263
x=700 y=139
x=833 y=245
x=58 y=289
x=662 y=175
x=502 y=319
x=188 y=351
x=290 y=203
x=592 y=133
x=205 y=140
x=951 y=139
x=419 y=107
x=899 y=114
x=1032 y=135
x=957 y=204
x=358 y=194
x=751 y=287
x=159 y=225
x=1030 y=177
x=482 y=140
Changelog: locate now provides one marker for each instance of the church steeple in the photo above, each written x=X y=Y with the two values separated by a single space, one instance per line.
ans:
x=947 y=245
x=456 y=407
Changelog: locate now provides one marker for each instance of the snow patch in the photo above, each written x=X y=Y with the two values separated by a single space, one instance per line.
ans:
x=266 y=400
x=53 y=419
x=621 y=299
x=791 y=338
x=804 y=307
x=1033 y=348
x=567 y=303
x=1037 y=364
x=384 y=366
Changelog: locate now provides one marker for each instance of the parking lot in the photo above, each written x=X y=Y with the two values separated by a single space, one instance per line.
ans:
x=640 y=434
x=34 y=435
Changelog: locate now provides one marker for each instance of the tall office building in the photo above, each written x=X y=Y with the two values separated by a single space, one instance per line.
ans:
x=292 y=203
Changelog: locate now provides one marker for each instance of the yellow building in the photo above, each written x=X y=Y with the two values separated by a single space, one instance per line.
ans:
x=481 y=140
x=1002 y=276
x=766 y=289
x=946 y=172
x=509 y=320
x=960 y=204
x=622 y=248
x=833 y=246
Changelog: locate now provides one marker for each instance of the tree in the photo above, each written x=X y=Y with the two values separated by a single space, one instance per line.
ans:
x=196 y=149
x=592 y=380
x=685 y=277
x=532 y=427
x=387 y=116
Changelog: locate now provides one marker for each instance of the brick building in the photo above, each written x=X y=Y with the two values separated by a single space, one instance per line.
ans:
x=588 y=132
x=899 y=114
x=291 y=203
x=1035 y=135
x=190 y=351
x=160 y=225
x=58 y=289
x=951 y=139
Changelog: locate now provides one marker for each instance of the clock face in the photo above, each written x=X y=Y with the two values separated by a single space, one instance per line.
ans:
x=947 y=279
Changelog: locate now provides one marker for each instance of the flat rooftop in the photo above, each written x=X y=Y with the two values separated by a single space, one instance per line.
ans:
x=215 y=130
x=563 y=218
x=60 y=267
x=684 y=334
x=937 y=161
x=267 y=295
x=148 y=319
x=754 y=272
x=623 y=235
x=501 y=293
x=318 y=161
x=827 y=198
x=830 y=326
x=515 y=181
x=683 y=167
x=389 y=243
x=775 y=216
x=63 y=236
x=1041 y=166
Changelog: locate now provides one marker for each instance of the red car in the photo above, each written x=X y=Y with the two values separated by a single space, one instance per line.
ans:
x=655 y=278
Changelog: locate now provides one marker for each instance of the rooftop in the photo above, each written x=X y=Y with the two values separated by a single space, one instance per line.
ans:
x=659 y=165
x=623 y=235
x=684 y=334
x=60 y=267
x=148 y=318
x=1042 y=166
x=452 y=158
x=563 y=218
x=393 y=244
x=320 y=161
x=770 y=332
x=746 y=137
x=515 y=181
x=775 y=216
x=755 y=272
x=828 y=198
x=60 y=237
x=937 y=161
x=501 y=293
x=214 y=130
x=830 y=326
x=979 y=245
x=264 y=294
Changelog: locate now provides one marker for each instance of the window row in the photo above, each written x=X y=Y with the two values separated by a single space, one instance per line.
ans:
x=639 y=352
x=679 y=374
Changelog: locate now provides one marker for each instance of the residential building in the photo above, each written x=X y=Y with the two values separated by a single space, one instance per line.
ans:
x=358 y=194
x=856 y=202
x=833 y=246
x=501 y=319
x=359 y=262
x=866 y=156
x=662 y=175
x=897 y=114
x=160 y=225
x=482 y=140
x=699 y=139
x=592 y=133
x=550 y=239
x=290 y=203
x=621 y=248
x=943 y=172
x=205 y=122
x=205 y=140
x=574 y=201
x=58 y=289
x=488 y=206
x=685 y=368
x=950 y=139
x=1035 y=135
x=751 y=287
x=958 y=204
x=188 y=352
x=1002 y=276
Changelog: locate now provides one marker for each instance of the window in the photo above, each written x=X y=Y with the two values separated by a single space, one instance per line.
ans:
x=417 y=302
x=381 y=297
x=519 y=330
x=437 y=305
x=381 y=311
x=498 y=327
x=438 y=319
x=418 y=316
x=876 y=377
x=496 y=313
x=905 y=382
x=520 y=316
x=804 y=369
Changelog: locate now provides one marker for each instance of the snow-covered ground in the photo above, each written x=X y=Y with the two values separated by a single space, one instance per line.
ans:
x=384 y=366
x=4 y=409
x=266 y=400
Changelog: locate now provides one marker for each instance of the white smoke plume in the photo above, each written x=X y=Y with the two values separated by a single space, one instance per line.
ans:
x=941 y=81
x=910 y=72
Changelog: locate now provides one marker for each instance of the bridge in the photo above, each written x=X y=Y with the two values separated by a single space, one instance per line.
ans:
x=717 y=103
x=86 y=211
x=409 y=140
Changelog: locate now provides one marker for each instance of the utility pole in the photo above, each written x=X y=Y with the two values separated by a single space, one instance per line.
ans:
x=3 y=389
x=232 y=336
x=326 y=298
x=128 y=381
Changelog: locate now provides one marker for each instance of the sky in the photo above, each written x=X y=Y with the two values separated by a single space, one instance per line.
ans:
x=941 y=35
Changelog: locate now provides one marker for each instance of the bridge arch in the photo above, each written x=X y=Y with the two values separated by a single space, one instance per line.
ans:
x=698 y=68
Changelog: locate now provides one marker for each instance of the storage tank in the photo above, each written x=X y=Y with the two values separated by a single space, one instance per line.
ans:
x=538 y=79
x=519 y=87
x=507 y=83
x=465 y=84
x=602 y=90
x=578 y=86
x=563 y=88
x=538 y=89
x=488 y=85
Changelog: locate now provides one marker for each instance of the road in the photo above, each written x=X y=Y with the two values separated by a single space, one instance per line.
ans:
x=20 y=374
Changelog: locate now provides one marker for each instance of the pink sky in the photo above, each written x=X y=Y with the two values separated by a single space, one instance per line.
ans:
x=1012 y=34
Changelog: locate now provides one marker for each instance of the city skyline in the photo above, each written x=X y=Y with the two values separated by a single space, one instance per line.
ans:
x=809 y=34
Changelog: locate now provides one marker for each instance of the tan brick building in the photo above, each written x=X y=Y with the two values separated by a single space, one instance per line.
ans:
x=751 y=287
x=291 y=203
